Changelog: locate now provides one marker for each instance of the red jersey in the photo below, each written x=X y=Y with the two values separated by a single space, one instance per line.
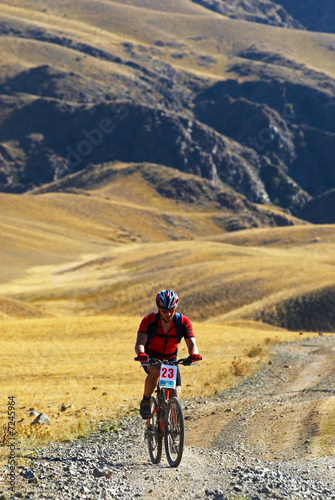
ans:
x=164 y=345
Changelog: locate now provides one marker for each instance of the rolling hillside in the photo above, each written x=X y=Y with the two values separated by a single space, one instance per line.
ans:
x=123 y=143
x=241 y=100
x=148 y=144
x=90 y=251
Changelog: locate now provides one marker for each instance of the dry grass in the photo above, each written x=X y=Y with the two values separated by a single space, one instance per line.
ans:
x=324 y=442
x=53 y=228
x=238 y=367
x=87 y=341
x=109 y=24
x=229 y=281
x=78 y=261
x=87 y=365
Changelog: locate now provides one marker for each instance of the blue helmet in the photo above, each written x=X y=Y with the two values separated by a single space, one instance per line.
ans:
x=167 y=299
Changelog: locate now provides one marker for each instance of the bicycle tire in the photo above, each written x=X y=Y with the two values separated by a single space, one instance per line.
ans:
x=154 y=434
x=174 y=437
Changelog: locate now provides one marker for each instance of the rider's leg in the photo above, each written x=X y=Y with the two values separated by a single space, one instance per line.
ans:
x=149 y=387
x=178 y=386
x=151 y=381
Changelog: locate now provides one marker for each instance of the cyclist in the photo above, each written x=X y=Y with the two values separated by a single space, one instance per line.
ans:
x=158 y=336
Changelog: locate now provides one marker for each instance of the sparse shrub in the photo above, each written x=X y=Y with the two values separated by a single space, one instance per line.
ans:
x=4 y=436
x=255 y=351
x=289 y=109
x=271 y=340
x=280 y=190
x=38 y=432
x=238 y=366
x=16 y=179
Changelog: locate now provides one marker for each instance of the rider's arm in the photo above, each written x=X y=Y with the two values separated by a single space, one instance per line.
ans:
x=191 y=346
x=140 y=342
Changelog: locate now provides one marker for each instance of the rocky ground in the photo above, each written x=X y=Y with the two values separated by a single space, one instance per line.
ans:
x=255 y=441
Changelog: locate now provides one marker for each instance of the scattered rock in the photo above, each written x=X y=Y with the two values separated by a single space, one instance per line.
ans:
x=102 y=473
x=118 y=466
x=42 y=418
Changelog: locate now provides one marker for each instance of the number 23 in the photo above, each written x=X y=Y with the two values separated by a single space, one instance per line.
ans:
x=167 y=373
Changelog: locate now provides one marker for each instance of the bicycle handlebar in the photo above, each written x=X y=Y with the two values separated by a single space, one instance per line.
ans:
x=156 y=361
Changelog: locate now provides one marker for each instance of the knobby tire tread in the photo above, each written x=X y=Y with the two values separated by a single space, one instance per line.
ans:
x=155 y=442
x=174 y=456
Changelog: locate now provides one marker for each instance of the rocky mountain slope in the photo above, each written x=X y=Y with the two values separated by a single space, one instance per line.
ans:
x=267 y=12
x=315 y=16
x=263 y=126
x=301 y=14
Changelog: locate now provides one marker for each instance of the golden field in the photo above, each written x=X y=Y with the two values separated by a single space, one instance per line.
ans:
x=79 y=270
x=87 y=364
x=78 y=273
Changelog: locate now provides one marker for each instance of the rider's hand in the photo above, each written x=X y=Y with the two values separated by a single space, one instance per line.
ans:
x=143 y=358
x=195 y=358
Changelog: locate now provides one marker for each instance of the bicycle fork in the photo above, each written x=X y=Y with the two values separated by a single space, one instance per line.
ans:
x=151 y=428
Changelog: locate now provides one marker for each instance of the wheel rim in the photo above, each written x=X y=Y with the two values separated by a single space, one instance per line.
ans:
x=154 y=437
x=174 y=432
x=174 y=438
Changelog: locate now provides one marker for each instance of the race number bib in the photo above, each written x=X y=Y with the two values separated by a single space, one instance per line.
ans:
x=168 y=376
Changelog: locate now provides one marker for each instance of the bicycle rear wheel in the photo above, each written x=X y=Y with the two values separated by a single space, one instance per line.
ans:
x=174 y=436
x=154 y=434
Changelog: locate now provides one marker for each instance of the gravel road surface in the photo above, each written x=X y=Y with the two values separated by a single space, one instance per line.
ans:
x=255 y=441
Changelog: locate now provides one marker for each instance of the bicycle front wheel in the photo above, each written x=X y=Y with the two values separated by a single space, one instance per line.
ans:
x=174 y=433
x=154 y=433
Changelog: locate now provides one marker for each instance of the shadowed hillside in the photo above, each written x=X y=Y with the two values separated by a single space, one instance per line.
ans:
x=304 y=311
x=267 y=12
x=241 y=95
x=315 y=16
x=138 y=136
x=264 y=274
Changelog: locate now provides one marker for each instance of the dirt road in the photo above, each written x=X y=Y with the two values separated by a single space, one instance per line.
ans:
x=276 y=414
x=258 y=440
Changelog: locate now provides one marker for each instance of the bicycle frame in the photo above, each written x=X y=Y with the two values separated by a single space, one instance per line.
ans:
x=163 y=395
x=166 y=420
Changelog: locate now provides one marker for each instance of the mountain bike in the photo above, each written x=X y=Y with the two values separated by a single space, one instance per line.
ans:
x=167 y=419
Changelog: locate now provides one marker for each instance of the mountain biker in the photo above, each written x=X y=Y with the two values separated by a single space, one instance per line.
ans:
x=158 y=336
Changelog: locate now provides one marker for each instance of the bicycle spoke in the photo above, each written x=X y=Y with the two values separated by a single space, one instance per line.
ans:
x=174 y=438
x=153 y=434
x=168 y=421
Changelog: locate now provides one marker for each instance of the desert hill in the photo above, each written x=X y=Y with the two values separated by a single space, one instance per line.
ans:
x=136 y=136
x=88 y=251
x=116 y=204
x=240 y=96
x=149 y=144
